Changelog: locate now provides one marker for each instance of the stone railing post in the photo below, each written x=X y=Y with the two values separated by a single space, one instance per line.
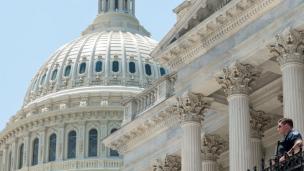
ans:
x=190 y=108
x=288 y=48
x=236 y=80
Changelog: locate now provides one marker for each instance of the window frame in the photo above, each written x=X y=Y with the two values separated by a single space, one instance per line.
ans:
x=50 y=146
x=35 y=154
x=89 y=140
x=68 y=145
x=64 y=71
x=152 y=74
x=79 y=68
x=55 y=75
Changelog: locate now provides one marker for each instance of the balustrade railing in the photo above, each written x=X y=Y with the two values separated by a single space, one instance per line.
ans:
x=295 y=162
x=155 y=94
x=77 y=165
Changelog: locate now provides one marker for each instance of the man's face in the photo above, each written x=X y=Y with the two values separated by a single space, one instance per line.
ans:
x=282 y=128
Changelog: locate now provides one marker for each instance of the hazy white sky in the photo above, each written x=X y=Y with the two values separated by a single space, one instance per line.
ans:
x=31 y=31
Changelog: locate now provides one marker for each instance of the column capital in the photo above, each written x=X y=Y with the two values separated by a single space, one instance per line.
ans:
x=191 y=107
x=288 y=47
x=237 y=78
x=167 y=163
x=259 y=122
x=212 y=147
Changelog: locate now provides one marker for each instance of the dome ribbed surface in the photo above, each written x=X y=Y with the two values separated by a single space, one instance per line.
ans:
x=105 y=48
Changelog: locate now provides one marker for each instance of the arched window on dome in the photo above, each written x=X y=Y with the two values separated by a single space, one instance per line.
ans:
x=52 y=152
x=21 y=156
x=35 y=151
x=148 y=69
x=93 y=141
x=115 y=66
x=43 y=79
x=72 y=145
x=113 y=153
x=98 y=66
x=67 y=71
x=132 y=67
x=54 y=75
x=82 y=68
x=34 y=86
x=162 y=71
x=116 y=5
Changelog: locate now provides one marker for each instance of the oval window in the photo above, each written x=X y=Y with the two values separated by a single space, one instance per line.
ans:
x=54 y=75
x=67 y=71
x=132 y=67
x=148 y=69
x=98 y=66
x=82 y=68
x=115 y=66
x=162 y=71
x=43 y=79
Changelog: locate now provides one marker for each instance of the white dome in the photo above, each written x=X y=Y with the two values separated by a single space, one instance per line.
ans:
x=92 y=59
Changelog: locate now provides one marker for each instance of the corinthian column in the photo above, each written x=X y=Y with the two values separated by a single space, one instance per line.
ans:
x=289 y=52
x=191 y=108
x=236 y=80
x=166 y=163
x=211 y=150
x=258 y=123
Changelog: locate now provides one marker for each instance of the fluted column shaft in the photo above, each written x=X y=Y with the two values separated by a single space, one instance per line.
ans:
x=104 y=6
x=209 y=165
x=239 y=133
x=112 y=5
x=293 y=93
x=191 y=146
x=256 y=144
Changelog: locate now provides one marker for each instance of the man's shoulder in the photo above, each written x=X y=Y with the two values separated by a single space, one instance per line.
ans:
x=294 y=135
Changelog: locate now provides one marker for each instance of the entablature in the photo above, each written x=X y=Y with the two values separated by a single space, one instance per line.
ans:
x=218 y=27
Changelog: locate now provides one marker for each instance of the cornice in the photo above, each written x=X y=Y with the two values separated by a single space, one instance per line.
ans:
x=183 y=55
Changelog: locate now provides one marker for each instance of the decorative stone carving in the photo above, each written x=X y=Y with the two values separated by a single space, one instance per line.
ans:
x=288 y=47
x=65 y=104
x=60 y=148
x=258 y=123
x=41 y=152
x=167 y=163
x=84 y=102
x=212 y=147
x=238 y=78
x=81 y=146
x=280 y=98
x=191 y=107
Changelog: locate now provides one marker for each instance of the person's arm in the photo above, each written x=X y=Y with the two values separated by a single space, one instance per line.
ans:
x=295 y=147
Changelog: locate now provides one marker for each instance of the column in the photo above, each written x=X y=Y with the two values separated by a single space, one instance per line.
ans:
x=133 y=7
x=212 y=148
x=236 y=80
x=5 y=158
x=259 y=123
x=289 y=53
x=81 y=139
x=99 y=7
x=42 y=148
x=14 y=160
x=120 y=6
x=191 y=108
x=60 y=142
x=104 y=6
x=104 y=130
x=128 y=6
x=26 y=151
x=112 y=5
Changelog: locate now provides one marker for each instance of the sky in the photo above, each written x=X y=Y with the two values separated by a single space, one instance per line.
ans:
x=31 y=31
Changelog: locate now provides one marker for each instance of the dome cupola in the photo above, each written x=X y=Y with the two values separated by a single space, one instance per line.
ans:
x=116 y=15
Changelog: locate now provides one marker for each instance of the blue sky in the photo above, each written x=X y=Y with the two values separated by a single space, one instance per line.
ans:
x=32 y=30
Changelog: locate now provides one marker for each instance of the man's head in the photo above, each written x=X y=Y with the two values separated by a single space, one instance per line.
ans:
x=285 y=125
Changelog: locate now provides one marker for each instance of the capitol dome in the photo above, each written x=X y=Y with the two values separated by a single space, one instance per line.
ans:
x=75 y=98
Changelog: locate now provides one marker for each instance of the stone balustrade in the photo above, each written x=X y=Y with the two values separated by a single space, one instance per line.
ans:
x=77 y=165
x=160 y=91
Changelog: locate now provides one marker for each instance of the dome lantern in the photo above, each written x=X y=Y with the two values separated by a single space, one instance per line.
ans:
x=116 y=15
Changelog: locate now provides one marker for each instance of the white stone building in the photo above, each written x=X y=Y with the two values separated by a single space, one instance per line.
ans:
x=75 y=98
x=212 y=104
x=233 y=62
